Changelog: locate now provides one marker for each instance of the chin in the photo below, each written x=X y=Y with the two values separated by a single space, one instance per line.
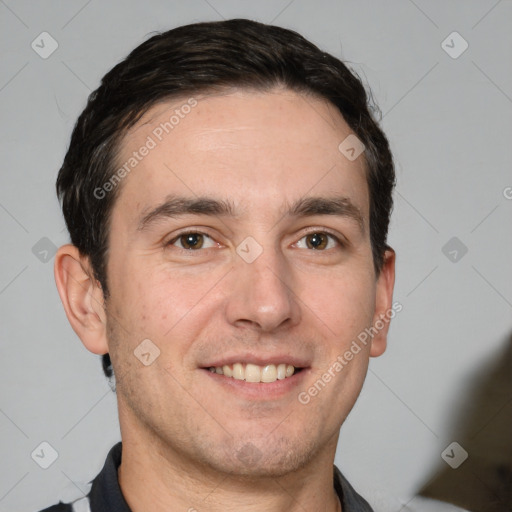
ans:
x=264 y=457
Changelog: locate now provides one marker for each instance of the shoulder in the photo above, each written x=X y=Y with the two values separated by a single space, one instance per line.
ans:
x=60 y=507
x=351 y=501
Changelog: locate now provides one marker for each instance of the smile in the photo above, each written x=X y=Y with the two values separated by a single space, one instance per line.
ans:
x=255 y=373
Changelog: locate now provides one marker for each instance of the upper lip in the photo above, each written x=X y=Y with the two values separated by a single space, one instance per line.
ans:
x=258 y=359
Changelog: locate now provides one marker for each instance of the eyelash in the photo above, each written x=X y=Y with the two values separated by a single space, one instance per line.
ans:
x=341 y=243
x=183 y=233
x=324 y=231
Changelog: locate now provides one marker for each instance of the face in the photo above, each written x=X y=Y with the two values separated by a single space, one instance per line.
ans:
x=240 y=242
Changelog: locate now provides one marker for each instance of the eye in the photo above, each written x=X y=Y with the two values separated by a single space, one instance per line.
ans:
x=192 y=241
x=318 y=241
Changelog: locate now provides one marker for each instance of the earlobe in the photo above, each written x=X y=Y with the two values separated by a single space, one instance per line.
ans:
x=383 y=303
x=81 y=297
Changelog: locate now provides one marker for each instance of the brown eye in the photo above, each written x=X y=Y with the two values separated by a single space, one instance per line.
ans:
x=317 y=241
x=192 y=241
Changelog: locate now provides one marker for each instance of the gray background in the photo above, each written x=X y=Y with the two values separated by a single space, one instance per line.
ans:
x=446 y=375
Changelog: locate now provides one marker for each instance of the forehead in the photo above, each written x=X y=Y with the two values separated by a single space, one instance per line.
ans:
x=254 y=148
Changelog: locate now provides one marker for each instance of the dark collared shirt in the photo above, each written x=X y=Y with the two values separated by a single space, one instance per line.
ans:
x=106 y=496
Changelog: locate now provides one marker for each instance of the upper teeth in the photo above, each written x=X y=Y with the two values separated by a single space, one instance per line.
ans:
x=255 y=373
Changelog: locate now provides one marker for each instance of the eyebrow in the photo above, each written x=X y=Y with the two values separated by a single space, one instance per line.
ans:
x=336 y=206
x=176 y=206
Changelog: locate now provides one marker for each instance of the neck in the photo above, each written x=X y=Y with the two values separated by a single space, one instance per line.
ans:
x=153 y=476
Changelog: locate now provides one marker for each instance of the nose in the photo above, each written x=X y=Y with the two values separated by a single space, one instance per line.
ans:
x=261 y=294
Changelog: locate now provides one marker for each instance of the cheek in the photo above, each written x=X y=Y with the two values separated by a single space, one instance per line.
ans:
x=163 y=301
x=345 y=303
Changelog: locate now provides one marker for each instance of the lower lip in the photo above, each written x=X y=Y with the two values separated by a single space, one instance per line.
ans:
x=259 y=390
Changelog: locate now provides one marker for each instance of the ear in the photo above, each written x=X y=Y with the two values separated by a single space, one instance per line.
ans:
x=82 y=298
x=383 y=303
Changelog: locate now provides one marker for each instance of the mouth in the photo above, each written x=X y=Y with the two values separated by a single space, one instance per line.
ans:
x=255 y=373
x=260 y=377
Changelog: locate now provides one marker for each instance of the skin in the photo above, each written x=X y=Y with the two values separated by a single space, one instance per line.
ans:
x=188 y=440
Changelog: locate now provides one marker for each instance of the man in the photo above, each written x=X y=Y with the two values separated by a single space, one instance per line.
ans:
x=228 y=195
